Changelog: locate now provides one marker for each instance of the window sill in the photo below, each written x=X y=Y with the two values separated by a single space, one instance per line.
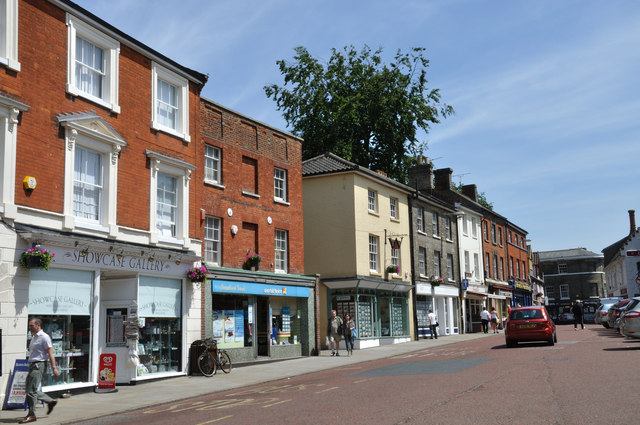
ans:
x=422 y=233
x=214 y=184
x=168 y=130
x=449 y=240
x=373 y=213
x=436 y=237
x=395 y=220
x=91 y=226
x=281 y=201
x=10 y=63
x=74 y=91
x=374 y=273
x=251 y=194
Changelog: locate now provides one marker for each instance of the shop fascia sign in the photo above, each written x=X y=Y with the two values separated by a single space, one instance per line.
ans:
x=229 y=286
x=118 y=260
x=523 y=286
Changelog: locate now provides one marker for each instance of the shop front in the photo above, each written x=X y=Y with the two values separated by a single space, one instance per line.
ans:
x=475 y=299
x=380 y=309
x=444 y=300
x=522 y=293
x=106 y=298
x=268 y=316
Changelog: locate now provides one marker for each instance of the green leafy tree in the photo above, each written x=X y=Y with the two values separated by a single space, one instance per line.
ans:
x=359 y=108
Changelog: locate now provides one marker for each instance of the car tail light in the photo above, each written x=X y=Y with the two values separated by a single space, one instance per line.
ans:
x=632 y=315
x=605 y=313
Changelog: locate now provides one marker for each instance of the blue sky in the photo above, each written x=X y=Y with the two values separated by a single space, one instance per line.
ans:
x=546 y=92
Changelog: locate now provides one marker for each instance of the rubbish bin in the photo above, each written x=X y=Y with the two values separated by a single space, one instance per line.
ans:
x=194 y=352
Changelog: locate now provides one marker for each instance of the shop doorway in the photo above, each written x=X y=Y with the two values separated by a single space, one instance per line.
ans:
x=263 y=326
x=113 y=339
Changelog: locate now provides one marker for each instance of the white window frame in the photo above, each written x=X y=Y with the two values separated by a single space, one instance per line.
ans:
x=562 y=268
x=9 y=35
x=435 y=228
x=393 y=208
x=98 y=186
x=181 y=84
x=474 y=228
x=279 y=185
x=564 y=291
x=524 y=269
x=467 y=265
x=111 y=48
x=476 y=266
x=436 y=264
x=420 y=219
x=281 y=243
x=213 y=165
x=395 y=256
x=374 y=249
x=212 y=240
x=181 y=170
x=372 y=201
x=549 y=292
x=93 y=133
x=447 y=228
x=465 y=225
x=450 y=275
x=422 y=261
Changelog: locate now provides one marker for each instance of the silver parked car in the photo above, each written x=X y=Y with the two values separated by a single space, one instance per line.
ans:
x=602 y=311
x=630 y=319
x=614 y=313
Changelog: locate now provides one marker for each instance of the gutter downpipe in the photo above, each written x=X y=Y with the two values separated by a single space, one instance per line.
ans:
x=413 y=266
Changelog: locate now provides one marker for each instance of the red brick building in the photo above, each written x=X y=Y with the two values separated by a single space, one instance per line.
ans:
x=99 y=146
x=251 y=205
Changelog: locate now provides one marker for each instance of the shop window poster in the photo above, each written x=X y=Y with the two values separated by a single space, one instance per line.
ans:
x=218 y=325
x=229 y=326
x=239 y=326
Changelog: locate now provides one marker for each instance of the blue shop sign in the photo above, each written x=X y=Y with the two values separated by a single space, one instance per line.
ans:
x=234 y=287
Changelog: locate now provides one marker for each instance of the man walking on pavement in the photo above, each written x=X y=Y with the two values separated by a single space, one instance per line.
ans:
x=578 y=316
x=484 y=316
x=335 y=330
x=40 y=349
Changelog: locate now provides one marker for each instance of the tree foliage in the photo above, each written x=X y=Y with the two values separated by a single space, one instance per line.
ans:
x=358 y=107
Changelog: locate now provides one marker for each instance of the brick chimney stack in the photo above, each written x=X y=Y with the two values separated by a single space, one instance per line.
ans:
x=443 y=178
x=632 y=221
x=421 y=175
x=470 y=191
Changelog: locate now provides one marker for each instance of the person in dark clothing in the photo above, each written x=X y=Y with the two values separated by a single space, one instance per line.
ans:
x=578 y=316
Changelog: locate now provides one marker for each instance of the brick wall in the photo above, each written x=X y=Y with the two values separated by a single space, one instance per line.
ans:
x=249 y=151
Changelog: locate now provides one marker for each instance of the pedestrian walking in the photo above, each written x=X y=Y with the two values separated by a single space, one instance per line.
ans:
x=484 y=316
x=40 y=349
x=433 y=324
x=494 y=320
x=334 y=332
x=348 y=327
x=578 y=315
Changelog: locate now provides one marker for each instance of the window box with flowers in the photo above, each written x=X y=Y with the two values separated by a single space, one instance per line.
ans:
x=197 y=274
x=437 y=281
x=393 y=268
x=252 y=261
x=37 y=258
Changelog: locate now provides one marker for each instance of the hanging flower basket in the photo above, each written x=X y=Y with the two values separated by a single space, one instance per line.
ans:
x=36 y=258
x=393 y=268
x=252 y=261
x=197 y=274
x=437 y=281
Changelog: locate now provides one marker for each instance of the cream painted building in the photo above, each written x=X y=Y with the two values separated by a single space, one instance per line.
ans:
x=357 y=225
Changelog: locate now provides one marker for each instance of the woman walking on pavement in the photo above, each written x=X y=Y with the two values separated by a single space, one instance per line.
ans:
x=349 y=326
x=494 y=320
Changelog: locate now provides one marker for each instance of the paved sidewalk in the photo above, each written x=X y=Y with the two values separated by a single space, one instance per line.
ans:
x=82 y=407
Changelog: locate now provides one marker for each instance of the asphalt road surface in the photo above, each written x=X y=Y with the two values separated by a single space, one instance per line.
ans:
x=588 y=377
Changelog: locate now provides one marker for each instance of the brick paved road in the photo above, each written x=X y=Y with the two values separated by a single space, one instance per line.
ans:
x=589 y=377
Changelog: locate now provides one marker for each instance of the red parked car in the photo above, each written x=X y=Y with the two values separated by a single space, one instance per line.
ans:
x=531 y=323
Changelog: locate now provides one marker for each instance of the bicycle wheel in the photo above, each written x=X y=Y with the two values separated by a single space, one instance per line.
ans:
x=207 y=364
x=225 y=361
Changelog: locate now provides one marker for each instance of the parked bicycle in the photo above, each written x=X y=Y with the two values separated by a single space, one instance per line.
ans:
x=211 y=358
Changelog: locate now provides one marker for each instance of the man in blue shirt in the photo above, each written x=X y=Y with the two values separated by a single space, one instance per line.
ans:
x=40 y=349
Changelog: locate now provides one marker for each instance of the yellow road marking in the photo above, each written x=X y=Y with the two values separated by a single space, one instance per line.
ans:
x=216 y=420
x=279 y=402
x=328 y=389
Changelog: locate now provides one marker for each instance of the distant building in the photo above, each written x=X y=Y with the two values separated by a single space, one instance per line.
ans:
x=570 y=275
x=622 y=263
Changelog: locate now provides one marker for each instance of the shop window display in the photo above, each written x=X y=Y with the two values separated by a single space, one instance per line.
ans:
x=232 y=322
x=62 y=299
x=285 y=324
x=70 y=337
x=160 y=336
